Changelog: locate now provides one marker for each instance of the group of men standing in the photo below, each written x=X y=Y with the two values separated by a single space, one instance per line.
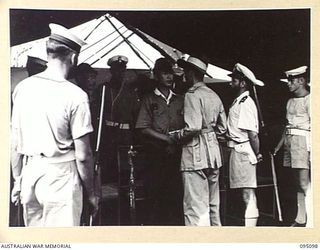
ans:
x=52 y=159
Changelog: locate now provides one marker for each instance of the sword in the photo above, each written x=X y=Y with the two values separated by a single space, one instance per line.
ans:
x=275 y=184
x=132 y=186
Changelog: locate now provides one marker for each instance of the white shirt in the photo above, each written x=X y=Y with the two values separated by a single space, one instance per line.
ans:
x=298 y=113
x=243 y=115
x=48 y=115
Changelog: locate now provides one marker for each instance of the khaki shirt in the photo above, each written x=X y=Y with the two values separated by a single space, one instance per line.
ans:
x=160 y=114
x=204 y=117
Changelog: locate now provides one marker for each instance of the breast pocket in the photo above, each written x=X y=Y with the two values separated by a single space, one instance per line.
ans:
x=158 y=112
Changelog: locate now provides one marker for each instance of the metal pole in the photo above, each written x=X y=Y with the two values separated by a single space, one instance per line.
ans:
x=258 y=106
x=97 y=175
x=19 y=208
x=274 y=176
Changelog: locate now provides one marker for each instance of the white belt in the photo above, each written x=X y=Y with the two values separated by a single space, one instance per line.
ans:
x=301 y=132
x=118 y=125
x=70 y=156
x=296 y=131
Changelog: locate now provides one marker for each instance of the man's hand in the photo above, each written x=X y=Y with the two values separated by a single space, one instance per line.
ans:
x=171 y=145
x=15 y=193
x=94 y=201
x=15 y=197
x=170 y=140
x=273 y=152
x=259 y=157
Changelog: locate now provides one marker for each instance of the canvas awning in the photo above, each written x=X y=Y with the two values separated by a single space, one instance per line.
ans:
x=107 y=36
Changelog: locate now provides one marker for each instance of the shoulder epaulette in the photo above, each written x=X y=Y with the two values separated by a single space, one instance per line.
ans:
x=243 y=99
x=193 y=89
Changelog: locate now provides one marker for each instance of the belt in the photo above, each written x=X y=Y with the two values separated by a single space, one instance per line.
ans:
x=296 y=131
x=232 y=143
x=206 y=130
x=70 y=156
x=117 y=125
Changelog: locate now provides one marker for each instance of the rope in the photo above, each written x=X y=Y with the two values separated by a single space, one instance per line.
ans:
x=110 y=50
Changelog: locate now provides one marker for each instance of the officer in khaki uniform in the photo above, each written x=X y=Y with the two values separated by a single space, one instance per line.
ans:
x=205 y=118
x=243 y=129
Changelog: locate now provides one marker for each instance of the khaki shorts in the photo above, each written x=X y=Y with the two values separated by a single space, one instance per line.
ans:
x=242 y=173
x=295 y=153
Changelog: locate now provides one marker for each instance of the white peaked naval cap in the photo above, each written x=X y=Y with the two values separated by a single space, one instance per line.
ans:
x=241 y=70
x=296 y=72
x=65 y=36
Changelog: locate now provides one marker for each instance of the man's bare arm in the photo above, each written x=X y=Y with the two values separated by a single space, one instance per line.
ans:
x=85 y=165
x=16 y=168
x=255 y=144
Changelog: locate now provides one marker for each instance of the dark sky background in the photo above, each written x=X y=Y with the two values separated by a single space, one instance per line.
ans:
x=267 y=41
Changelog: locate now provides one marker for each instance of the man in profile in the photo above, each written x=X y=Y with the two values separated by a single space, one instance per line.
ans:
x=86 y=77
x=205 y=119
x=296 y=140
x=243 y=131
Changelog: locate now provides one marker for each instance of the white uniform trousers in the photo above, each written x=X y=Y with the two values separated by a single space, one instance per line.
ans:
x=51 y=193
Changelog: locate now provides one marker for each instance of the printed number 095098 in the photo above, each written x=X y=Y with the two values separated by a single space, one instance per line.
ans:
x=308 y=245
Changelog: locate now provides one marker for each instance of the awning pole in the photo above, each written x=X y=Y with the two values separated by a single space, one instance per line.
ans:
x=127 y=41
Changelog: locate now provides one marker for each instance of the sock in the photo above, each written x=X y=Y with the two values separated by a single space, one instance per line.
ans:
x=309 y=207
x=301 y=204
x=251 y=214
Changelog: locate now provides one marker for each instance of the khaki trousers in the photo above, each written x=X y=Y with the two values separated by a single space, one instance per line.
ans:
x=201 y=199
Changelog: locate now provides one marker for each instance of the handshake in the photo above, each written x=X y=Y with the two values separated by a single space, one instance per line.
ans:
x=172 y=141
x=174 y=133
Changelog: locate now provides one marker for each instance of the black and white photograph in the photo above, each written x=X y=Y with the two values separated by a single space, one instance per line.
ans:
x=160 y=118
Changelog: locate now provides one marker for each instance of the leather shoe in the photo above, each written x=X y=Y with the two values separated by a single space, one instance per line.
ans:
x=296 y=224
